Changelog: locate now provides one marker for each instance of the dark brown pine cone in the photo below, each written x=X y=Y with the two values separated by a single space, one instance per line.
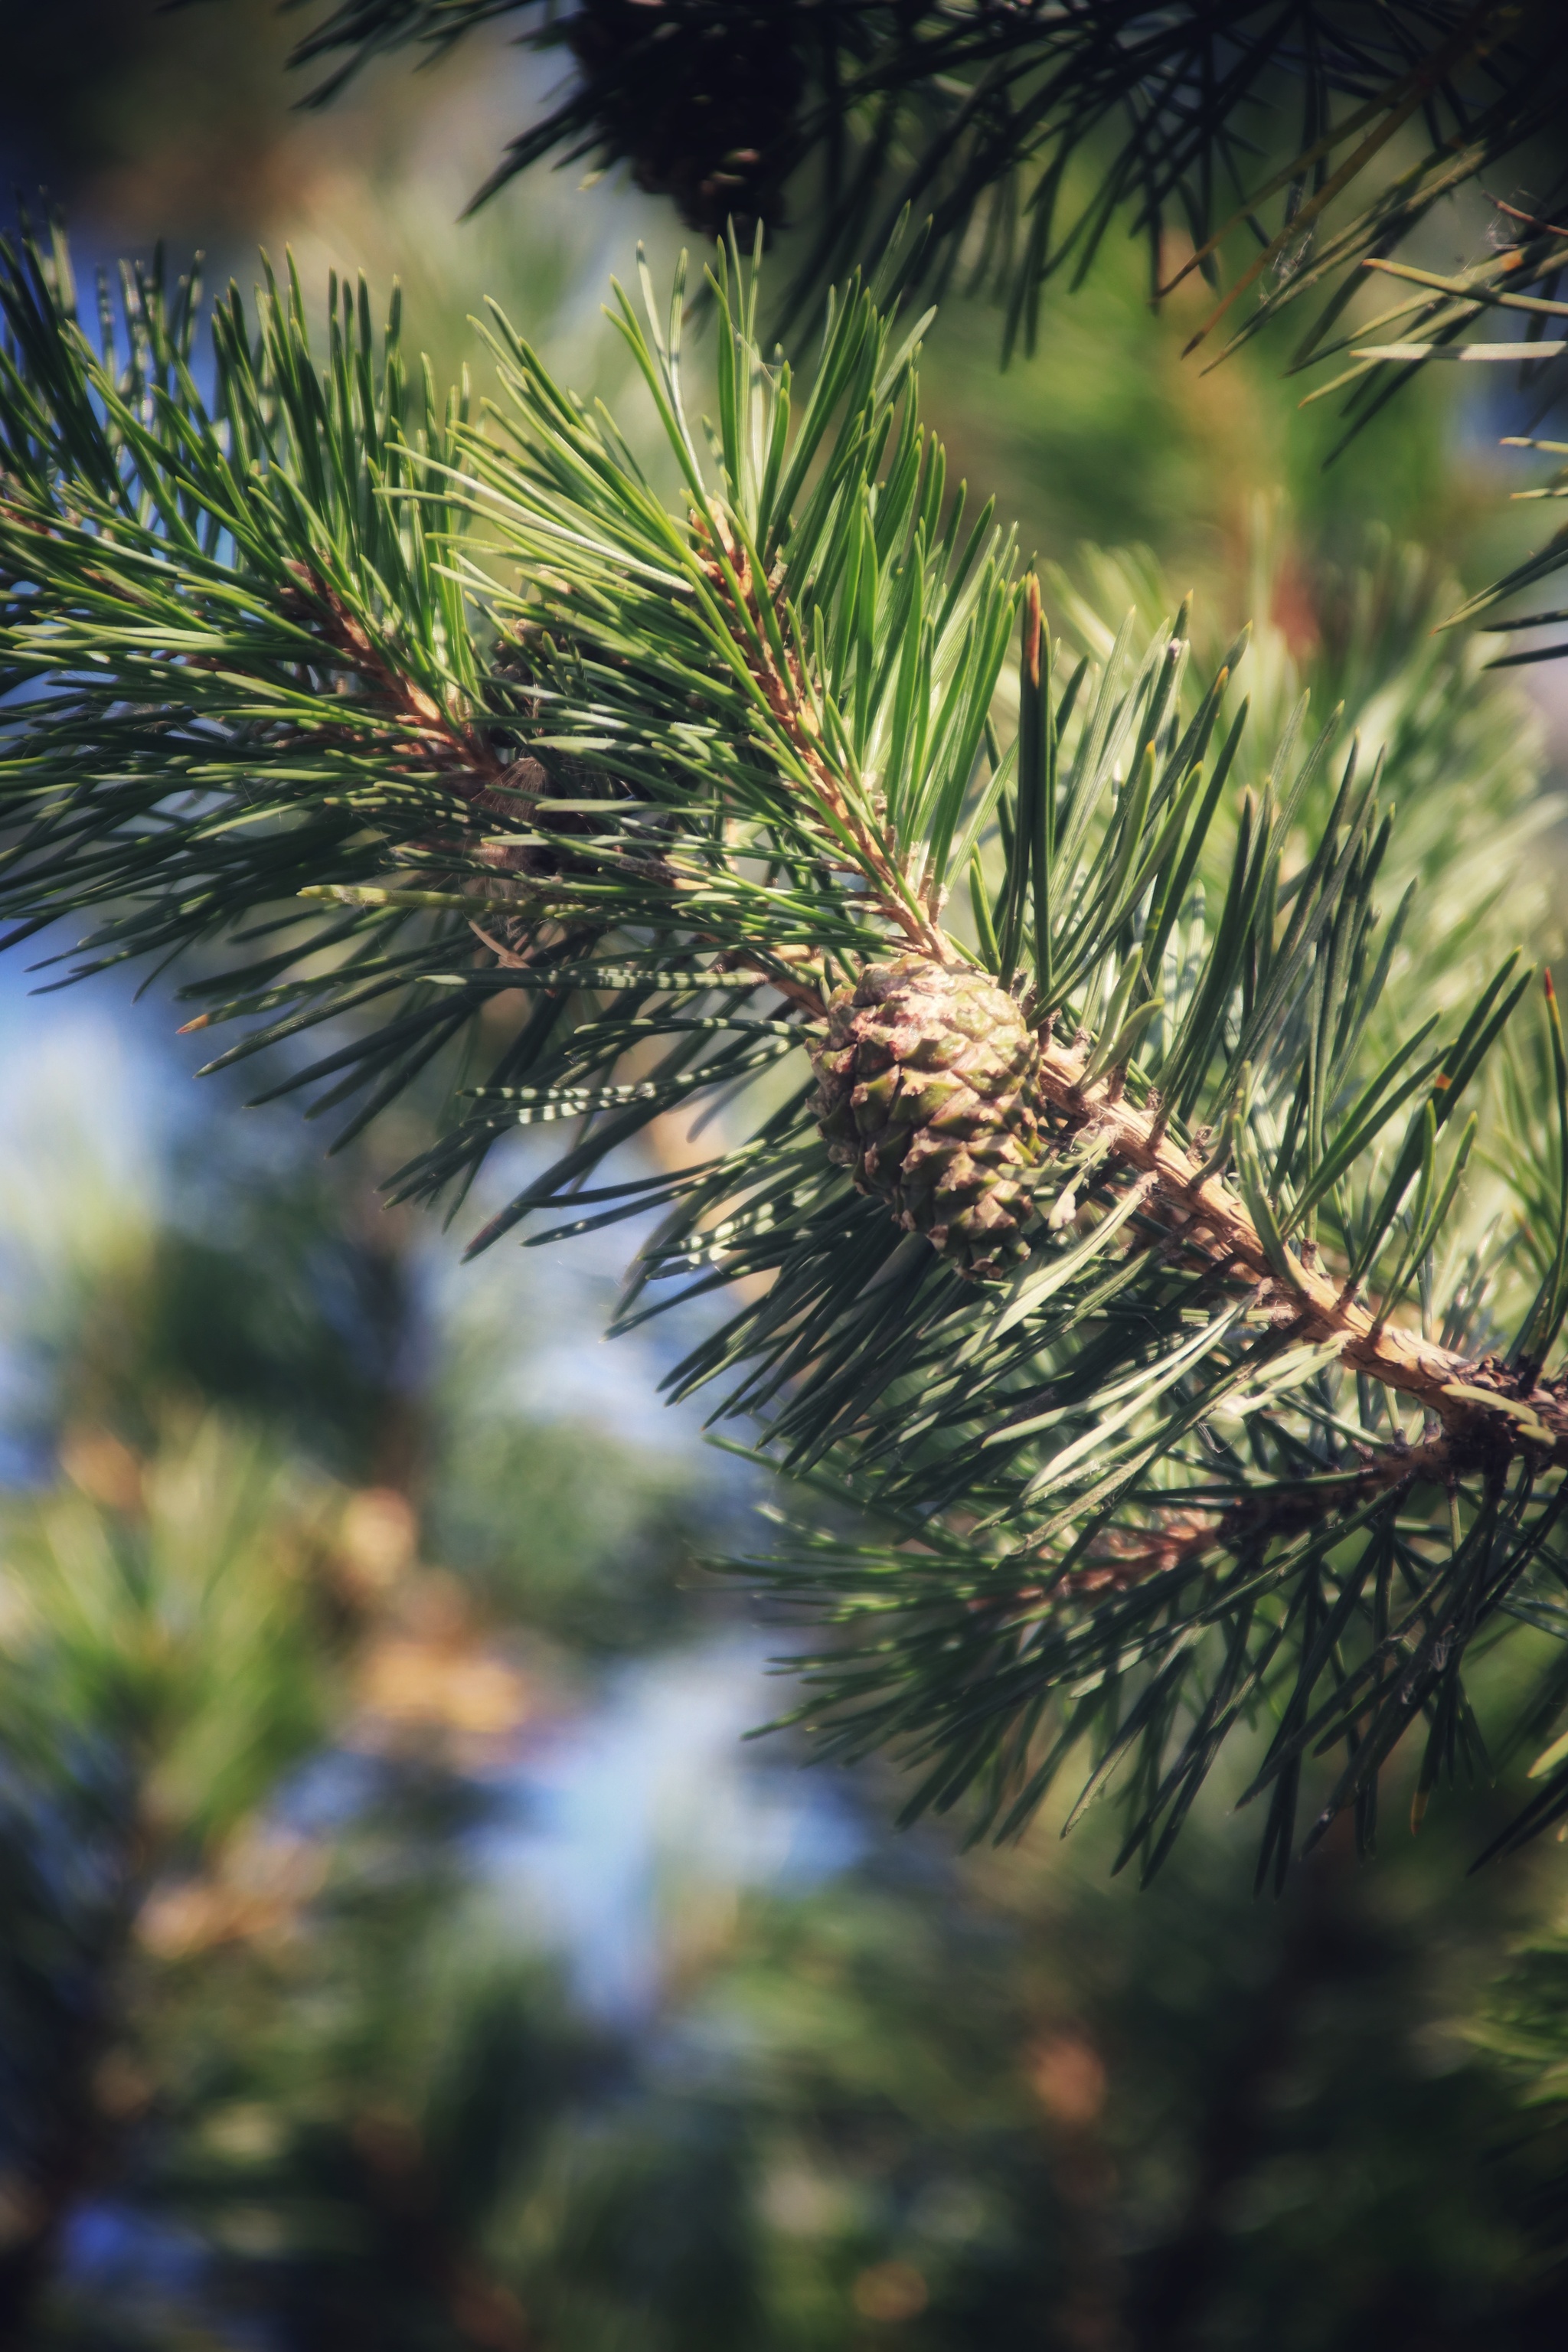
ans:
x=927 y=1089
x=700 y=97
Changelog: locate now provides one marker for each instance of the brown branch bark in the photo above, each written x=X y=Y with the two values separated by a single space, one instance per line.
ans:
x=785 y=692
x=445 y=739
x=1485 y=1411
x=1484 y=1415
x=1487 y=1414
x=1123 y=1557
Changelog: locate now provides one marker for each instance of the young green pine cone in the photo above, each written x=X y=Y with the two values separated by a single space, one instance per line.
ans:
x=927 y=1089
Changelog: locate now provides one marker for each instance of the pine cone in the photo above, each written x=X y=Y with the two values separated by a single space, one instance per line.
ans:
x=700 y=97
x=927 y=1089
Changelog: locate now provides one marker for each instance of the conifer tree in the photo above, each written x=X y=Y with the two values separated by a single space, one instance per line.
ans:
x=429 y=2150
x=1100 y=1161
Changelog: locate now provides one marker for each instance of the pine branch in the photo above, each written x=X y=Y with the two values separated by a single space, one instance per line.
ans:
x=1225 y=120
x=1117 y=1561
x=1517 y=280
x=1075 y=1251
x=734 y=109
x=1489 y=1410
x=162 y=1668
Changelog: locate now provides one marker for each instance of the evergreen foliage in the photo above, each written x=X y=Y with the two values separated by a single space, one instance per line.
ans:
x=1323 y=134
x=470 y=769
x=1524 y=2023
x=1214 y=116
x=1518 y=277
x=279 y=2063
x=380 y=712
x=165 y=1665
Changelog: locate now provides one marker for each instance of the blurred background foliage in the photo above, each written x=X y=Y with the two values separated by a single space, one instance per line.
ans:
x=397 y=1947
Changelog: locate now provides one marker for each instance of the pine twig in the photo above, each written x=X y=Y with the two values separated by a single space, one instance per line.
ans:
x=1489 y=1415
